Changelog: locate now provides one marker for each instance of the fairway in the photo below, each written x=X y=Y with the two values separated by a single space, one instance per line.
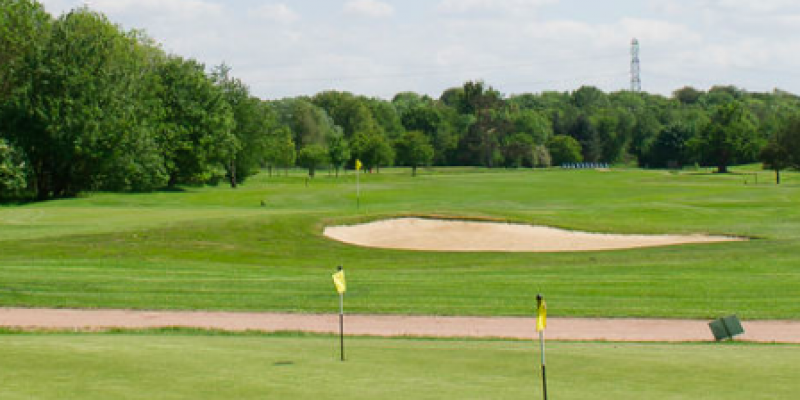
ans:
x=198 y=366
x=219 y=249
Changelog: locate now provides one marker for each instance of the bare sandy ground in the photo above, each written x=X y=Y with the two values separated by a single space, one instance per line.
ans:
x=454 y=235
x=609 y=329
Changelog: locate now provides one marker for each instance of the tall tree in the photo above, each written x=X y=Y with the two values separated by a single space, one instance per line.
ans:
x=24 y=31
x=783 y=149
x=78 y=123
x=281 y=151
x=372 y=149
x=13 y=171
x=414 y=149
x=518 y=150
x=197 y=131
x=492 y=122
x=564 y=149
x=252 y=122
x=730 y=137
x=338 y=150
x=586 y=134
x=688 y=95
x=670 y=148
x=312 y=157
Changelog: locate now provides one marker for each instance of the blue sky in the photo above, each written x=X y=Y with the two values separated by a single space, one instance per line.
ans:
x=382 y=47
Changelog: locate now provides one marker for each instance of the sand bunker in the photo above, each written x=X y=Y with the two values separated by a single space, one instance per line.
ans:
x=455 y=235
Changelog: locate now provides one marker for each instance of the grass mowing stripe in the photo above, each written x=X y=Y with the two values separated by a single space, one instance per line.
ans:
x=199 y=366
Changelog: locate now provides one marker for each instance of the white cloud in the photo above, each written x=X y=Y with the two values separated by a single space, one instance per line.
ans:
x=653 y=30
x=506 y=6
x=369 y=8
x=282 y=48
x=767 y=6
x=725 y=8
x=280 y=13
x=176 y=9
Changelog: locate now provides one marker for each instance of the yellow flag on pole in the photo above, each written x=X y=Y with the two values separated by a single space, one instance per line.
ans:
x=358 y=165
x=338 y=281
x=541 y=315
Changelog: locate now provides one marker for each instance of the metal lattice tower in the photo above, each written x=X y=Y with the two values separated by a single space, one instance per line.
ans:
x=636 y=79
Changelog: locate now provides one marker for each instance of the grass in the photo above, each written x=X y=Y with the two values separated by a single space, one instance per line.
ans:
x=219 y=249
x=195 y=366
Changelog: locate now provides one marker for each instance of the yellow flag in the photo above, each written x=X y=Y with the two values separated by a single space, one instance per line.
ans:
x=541 y=315
x=358 y=165
x=338 y=281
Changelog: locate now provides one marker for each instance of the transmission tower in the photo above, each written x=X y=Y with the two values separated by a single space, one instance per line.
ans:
x=636 y=79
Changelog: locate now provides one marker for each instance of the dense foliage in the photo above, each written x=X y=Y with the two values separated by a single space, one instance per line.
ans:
x=85 y=105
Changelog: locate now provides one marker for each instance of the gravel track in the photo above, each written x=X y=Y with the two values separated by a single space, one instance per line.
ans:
x=607 y=329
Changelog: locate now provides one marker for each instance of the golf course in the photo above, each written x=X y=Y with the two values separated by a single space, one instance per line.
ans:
x=215 y=248
x=261 y=247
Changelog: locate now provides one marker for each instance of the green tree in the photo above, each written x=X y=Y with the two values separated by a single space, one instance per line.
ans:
x=387 y=117
x=281 y=151
x=372 y=149
x=688 y=95
x=414 y=149
x=405 y=101
x=197 y=130
x=79 y=123
x=312 y=157
x=480 y=145
x=589 y=97
x=730 y=137
x=585 y=133
x=338 y=150
x=645 y=131
x=309 y=123
x=783 y=148
x=564 y=149
x=24 y=31
x=533 y=124
x=518 y=150
x=439 y=123
x=252 y=122
x=13 y=171
x=541 y=157
x=670 y=149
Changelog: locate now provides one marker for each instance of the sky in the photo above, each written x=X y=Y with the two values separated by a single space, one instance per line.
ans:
x=382 y=47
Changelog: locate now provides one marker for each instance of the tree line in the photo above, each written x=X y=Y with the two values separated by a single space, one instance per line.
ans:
x=87 y=106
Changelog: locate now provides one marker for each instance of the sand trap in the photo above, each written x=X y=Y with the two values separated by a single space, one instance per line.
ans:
x=454 y=235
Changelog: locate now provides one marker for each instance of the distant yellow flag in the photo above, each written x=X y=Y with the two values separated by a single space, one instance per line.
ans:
x=338 y=281
x=541 y=316
x=358 y=165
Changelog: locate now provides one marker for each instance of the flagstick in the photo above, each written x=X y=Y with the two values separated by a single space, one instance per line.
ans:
x=358 y=190
x=544 y=375
x=341 y=324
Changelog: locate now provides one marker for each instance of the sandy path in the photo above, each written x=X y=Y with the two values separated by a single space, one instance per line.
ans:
x=623 y=329
x=454 y=235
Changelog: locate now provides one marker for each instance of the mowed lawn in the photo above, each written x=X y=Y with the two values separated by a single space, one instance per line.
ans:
x=178 y=366
x=217 y=248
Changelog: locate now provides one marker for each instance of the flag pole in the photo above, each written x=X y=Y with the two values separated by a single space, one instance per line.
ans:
x=341 y=287
x=358 y=189
x=544 y=373
x=541 y=323
x=341 y=325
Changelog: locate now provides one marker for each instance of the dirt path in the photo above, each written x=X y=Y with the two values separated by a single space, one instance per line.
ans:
x=611 y=329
